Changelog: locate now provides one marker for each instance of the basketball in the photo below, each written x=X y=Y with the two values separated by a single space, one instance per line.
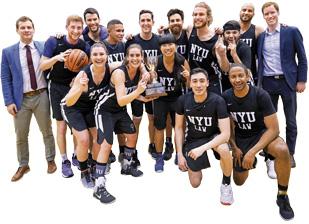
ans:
x=76 y=60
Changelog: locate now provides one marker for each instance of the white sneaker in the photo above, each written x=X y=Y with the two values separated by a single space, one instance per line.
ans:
x=226 y=197
x=270 y=164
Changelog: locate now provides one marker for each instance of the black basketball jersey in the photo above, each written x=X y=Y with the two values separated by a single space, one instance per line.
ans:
x=201 y=55
x=201 y=118
x=182 y=43
x=88 y=99
x=173 y=82
x=108 y=100
x=248 y=112
x=150 y=47
x=59 y=73
x=249 y=38
x=115 y=52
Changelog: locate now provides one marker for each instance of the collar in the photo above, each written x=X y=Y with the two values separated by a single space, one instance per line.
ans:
x=22 y=45
x=277 y=30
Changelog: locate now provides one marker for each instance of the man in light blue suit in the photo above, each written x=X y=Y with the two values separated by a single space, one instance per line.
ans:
x=279 y=72
x=25 y=93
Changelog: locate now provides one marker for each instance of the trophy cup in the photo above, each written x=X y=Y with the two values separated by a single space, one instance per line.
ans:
x=155 y=88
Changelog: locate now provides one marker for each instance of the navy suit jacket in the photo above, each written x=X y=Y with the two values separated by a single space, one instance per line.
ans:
x=291 y=45
x=11 y=74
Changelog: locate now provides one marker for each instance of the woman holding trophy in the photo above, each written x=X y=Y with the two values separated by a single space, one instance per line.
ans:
x=126 y=84
x=173 y=72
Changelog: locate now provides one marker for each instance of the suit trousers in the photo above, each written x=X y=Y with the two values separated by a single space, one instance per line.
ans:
x=279 y=88
x=38 y=105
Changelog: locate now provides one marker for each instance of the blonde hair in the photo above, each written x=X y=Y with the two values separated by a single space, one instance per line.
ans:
x=74 y=18
x=208 y=9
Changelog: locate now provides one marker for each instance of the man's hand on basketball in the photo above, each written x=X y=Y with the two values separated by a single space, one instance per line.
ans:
x=63 y=55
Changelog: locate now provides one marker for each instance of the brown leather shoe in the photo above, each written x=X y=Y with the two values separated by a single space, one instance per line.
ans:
x=20 y=173
x=51 y=166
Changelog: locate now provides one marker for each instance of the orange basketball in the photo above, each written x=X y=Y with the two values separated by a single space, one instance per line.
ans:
x=76 y=60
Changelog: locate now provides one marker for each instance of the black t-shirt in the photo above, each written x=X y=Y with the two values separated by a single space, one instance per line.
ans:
x=182 y=43
x=248 y=112
x=244 y=53
x=108 y=100
x=201 y=55
x=150 y=47
x=115 y=52
x=249 y=38
x=173 y=82
x=201 y=118
x=87 y=100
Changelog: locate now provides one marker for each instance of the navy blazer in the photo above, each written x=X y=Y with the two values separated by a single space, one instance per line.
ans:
x=11 y=74
x=291 y=45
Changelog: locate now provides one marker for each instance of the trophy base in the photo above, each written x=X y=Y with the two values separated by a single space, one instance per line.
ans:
x=155 y=90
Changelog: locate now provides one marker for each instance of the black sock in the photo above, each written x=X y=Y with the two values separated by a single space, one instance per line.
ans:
x=282 y=190
x=226 y=180
x=168 y=139
x=83 y=165
x=121 y=149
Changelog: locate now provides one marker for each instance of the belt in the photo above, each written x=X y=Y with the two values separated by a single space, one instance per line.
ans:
x=35 y=92
x=278 y=76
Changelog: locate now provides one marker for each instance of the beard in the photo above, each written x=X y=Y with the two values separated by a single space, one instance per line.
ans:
x=176 y=30
x=201 y=25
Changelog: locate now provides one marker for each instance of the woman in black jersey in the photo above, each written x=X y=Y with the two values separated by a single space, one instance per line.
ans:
x=173 y=73
x=256 y=128
x=78 y=106
x=111 y=115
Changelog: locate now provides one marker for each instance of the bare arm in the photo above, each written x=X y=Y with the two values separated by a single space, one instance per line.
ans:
x=118 y=79
x=272 y=131
x=179 y=138
x=79 y=86
x=47 y=63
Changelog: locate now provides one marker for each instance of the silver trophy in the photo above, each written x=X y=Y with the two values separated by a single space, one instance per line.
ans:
x=155 y=88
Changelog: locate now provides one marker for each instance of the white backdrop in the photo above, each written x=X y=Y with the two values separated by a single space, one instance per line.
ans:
x=153 y=198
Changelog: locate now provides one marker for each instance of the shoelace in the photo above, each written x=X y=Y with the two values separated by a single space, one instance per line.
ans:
x=104 y=191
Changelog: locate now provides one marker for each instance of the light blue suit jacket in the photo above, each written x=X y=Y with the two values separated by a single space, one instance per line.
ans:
x=11 y=74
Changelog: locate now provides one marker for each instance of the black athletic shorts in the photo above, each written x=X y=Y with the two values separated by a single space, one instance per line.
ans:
x=245 y=144
x=137 y=108
x=107 y=123
x=78 y=119
x=202 y=162
x=56 y=93
x=160 y=110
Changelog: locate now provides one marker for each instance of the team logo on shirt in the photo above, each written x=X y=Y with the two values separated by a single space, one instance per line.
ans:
x=244 y=120
x=198 y=52
x=200 y=123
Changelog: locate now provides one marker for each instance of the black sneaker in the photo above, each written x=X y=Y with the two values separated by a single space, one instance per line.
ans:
x=168 y=152
x=285 y=208
x=130 y=170
x=135 y=161
x=112 y=157
x=152 y=151
x=103 y=195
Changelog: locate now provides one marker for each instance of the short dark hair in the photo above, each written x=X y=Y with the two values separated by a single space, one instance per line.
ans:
x=23 y=19
x=144 y=11
x=113 y=22
x=231 y=25
x=167 y=39
x=234 y=65
x=91 y=11
x=173 y=12
x=198 y=70
x=267 y=4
